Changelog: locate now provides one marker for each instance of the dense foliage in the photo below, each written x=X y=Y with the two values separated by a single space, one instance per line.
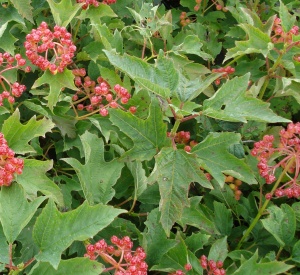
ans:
x=149 y=137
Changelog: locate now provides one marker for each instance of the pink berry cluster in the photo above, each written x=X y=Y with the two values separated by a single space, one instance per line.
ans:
x=212 y=267
x=279 y=36
x=119 y=256
x=226 y=71
x=187 y=267
x=287 y=152
x=48 y=49
x=197 y=6
x=98 y=96
x=11 y=90
x=95 y=3
x=8 y=163
x=183 y=137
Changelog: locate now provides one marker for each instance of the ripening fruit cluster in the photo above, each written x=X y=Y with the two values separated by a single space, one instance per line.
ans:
x=119 y=256
x=234 y=185
x=95 y=3
x=97 y=96
x=11 y=90
x=9 y=165
x=183 y=137
x=48 y=49
x=286 y=153
x=226 y=71
x=197 y=6
x=212 y=267
x=184 y=19
x=279 y=36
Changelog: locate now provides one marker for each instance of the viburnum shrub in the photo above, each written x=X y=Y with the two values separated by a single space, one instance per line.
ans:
x=149 y=137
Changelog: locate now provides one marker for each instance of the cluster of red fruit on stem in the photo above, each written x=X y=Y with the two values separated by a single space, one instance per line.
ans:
x=120 y=256
x=9 y=165
x=98 y=96
x=95 y=3
x=285 y=155
x=187 y=267
x=279 y=36
x=184 y=19
x=197 y=6
x=11 y=90
x=226 y=71
x=212 y=267
x=234 y=185
x=182 y=137
x=50 y=50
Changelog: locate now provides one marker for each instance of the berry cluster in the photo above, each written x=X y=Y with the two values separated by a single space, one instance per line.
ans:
x=184 y=19
x=8 y=163
x=98 y=96
x=50 y=50
x=11 y=90
x=197 y=6
x=279 y=36
x=128 y=262
x=225 y=73
x=286 y=153
x=95 y=3
x=183 y=137
x=212 y=267
x=234 y=185
x=187 y=267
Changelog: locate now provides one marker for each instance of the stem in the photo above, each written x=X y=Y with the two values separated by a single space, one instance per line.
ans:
x=175 y=127
x=262 y=209
x=263 y=88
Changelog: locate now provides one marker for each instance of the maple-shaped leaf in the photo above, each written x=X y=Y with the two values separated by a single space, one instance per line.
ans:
x=230 y=103
x=15 y=210
x=96 y=176
x=251 y=267
x=148 y=136
x=174 y=171
x=24 y=8
x=18 y=135
x=258 y=42
x=56 y=83
x=213 y=152
x=34 y=180
x=54 y=231
x=63 y=12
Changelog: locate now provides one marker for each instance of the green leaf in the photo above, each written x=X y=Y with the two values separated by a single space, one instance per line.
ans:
x=18 y=135
x=14 y=216
x=251 y=267
x=63 y=12
x=258 y=42
x=174 y=171
x=296 y=252
x=140 y=179
x=161 y=79
x=56 y=83
x=4 y=251
x=288 y=87
x=53 y=231
x=7 y=39
x=8 y=14
x=24 y=8
x=216 y=159
x=96 y=176
x=218 y=251
x=148 y=136
x=34 y=180
x=192 y=45
x=76 y=266
x=197 y=216
x=287 y=20
x=154 y=237
x=281 y=223
x=223 y=218
x=230 y=103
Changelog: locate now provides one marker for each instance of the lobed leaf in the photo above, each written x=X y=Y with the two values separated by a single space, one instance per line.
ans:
x=18 y=135
x=53 y=231
x=96 y=176
x=174 y=171
x=24 y=8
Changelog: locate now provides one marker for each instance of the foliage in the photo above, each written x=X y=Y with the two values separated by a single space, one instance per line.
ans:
x=149 y=137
